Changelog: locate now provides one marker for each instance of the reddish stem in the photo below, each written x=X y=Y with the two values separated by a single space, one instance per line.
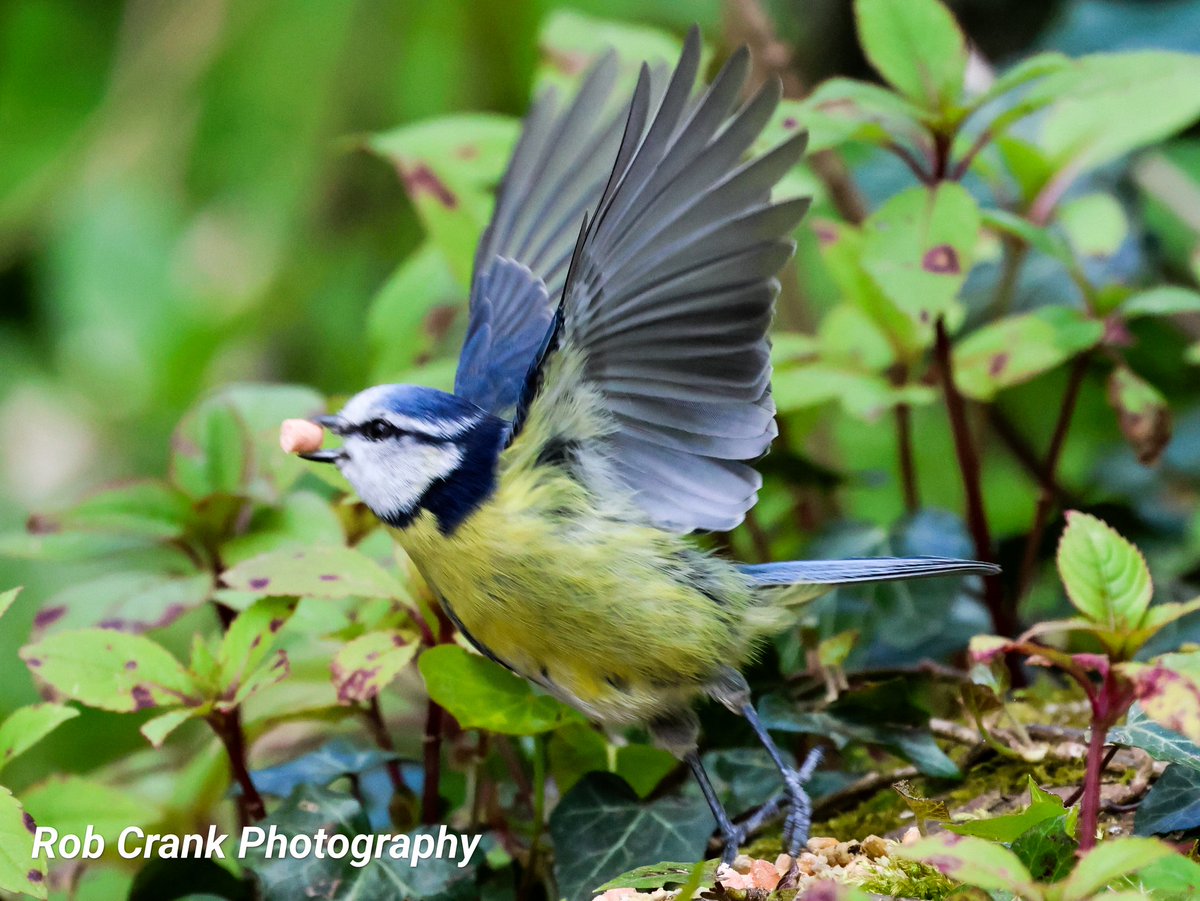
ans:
x=1089 y=811
x=374 y=716
x=228 y=727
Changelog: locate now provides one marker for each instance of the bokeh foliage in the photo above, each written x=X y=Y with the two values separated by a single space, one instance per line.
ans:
x=205 y=195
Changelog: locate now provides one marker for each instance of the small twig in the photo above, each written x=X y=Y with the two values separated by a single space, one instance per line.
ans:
x=960 y=169
x=432 y=746
x=904 y=446
x=1045 y=502
x=1003 y=617
x=375 y=719
x=911 y=161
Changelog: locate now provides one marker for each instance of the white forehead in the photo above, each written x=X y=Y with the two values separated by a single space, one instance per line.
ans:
x=380 y=402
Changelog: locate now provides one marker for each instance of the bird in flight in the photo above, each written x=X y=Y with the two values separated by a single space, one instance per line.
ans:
x=613 y=387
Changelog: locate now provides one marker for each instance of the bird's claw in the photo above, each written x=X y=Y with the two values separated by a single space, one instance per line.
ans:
x=799 y=812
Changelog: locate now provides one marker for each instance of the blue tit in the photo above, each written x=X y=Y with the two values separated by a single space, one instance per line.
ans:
x=613 y=383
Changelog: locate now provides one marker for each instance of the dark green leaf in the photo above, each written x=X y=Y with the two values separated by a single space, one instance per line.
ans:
x=1049 y=848
x=326 y=764
x=1172 y=804
x=600 y=829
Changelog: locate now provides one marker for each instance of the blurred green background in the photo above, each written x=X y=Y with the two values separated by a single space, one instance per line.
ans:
x=185 y=203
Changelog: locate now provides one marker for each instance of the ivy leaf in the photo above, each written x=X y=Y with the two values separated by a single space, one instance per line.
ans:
x=481 y=694
x=321 y=572
x=974 y=861
x=600 y=829
x=20 y=872
x=1109 y=861
x=363 y=667
x=1172 y=804
x=1166 y=300
x=1049 y=848
x=26 y=726
x=326 y=764
x=1160 y=743
x=1105 y=576
x=1015 y=349
x=110 y=670
x=918 y=248
x=1008 y=827
x=917 y=46
x=1142 y=413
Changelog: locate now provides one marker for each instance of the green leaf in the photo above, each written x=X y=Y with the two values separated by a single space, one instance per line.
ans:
x=862 y=395
x=1105 y=576
x=850 y=338
x=7 y=599
x=26 y=726
x=149 y=509
x=1175 y=877
x=842 y=110
x=1119 y=102
x=248 y=645
x=917 y=46
x=600 y=830
x=1018 y=348
x=918 y=248
x=72 y=803
x=571 y=41
x=1095 y=224
x=157 y=729
x=1038 y=237
x=309 y=808
x=661 y=875
x=210 y=451
x=421 y=301
x=974 y=861
x=319 y=572
x=1142 y=413
x=111 y=670
x=1172 y=804
x=481 y=694
x=1049 y=849
x=644 y=767
x=129 y=600
x=1160 y=743
x=365 y=666
x=20 y=871
x=448 y=166
x=1109 y=861
x=1008 y=827
x=1166 y=300
x=1027 y=70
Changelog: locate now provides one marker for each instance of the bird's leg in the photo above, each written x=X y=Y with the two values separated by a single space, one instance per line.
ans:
x=799 y=818
x=731 y=835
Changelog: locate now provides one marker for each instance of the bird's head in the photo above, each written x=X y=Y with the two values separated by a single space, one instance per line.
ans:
x=406 y=448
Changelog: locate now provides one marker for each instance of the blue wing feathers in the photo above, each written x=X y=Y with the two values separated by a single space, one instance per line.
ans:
x=867 y=569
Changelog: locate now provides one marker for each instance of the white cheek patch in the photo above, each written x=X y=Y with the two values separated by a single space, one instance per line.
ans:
x=392 y=476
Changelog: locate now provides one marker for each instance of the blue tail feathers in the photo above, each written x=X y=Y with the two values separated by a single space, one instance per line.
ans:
x=866 y=569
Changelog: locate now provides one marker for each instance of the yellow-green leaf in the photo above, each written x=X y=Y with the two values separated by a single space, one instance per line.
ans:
x=1105 y=576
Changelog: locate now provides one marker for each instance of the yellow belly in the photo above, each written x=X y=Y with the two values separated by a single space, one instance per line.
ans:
x=594 y=609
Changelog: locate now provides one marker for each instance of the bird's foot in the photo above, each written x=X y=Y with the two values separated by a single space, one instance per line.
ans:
x=794 y=799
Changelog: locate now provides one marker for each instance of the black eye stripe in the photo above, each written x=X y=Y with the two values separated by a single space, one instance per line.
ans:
x=381 y=430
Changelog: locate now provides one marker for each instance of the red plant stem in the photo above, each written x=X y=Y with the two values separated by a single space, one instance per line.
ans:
x=1003 y=616
x=1041 y=516
x=432 y=742
x=384 y=740
x=228 y=726
x=904 y=446
x=1089 y=811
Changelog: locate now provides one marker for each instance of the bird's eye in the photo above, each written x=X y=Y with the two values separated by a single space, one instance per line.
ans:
x=377 y=429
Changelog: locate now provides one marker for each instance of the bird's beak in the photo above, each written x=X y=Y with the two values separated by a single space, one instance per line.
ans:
x=334 y=424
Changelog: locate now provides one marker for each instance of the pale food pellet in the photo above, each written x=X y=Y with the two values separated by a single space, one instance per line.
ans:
x=299 y=436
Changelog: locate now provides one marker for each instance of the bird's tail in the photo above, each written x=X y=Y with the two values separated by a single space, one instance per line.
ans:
x=807 y=579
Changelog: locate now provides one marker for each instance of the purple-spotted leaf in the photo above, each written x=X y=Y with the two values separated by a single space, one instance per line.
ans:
x=247 y=658
x=918 y=248
x=447 y=167
x=1018 y=348
x=363 y=667
x=26 y=726
x=72 y=803
x=1142 y=413
x=129 y=600
x=319 y=572
x=917 y=46
x=1110 y=861
x=21 y=871
x=1168 y=689
x=110 y=670
x=974 y=861
x=1105 y=576
x=481 y=694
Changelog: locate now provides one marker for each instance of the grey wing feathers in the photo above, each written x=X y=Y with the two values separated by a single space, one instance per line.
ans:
x=867 y=569
x=557 y=172
x=672 y=290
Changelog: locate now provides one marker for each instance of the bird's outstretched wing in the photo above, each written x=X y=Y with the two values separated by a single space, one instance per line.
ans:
x=669 y=296
x=557 y=171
